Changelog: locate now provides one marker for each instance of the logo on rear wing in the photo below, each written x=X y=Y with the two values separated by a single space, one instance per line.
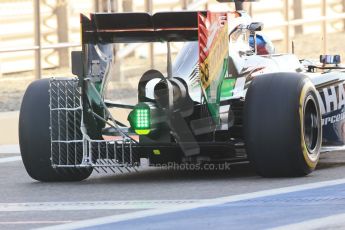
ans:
x=213 y=56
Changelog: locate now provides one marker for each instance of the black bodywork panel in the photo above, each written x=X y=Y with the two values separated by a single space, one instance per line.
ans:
x=140 y=27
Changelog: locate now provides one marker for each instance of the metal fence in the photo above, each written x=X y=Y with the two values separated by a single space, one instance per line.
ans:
x=290 y=12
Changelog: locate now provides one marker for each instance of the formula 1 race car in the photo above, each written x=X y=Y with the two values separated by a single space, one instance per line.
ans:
x=227 y=97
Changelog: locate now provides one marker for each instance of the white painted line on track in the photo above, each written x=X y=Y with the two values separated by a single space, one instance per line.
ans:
x=184 y=207
x=35 y=222
x=10 y=159
x=330 y=222
x=9 y=149
x=93 y=205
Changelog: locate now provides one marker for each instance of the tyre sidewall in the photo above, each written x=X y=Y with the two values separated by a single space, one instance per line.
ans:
x=35 y=137
x=272 y=124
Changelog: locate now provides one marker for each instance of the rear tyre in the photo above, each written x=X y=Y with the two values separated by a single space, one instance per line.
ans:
x=282 y=125
x=34 y=136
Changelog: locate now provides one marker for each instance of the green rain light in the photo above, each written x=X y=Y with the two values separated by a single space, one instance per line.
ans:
x=142 y=121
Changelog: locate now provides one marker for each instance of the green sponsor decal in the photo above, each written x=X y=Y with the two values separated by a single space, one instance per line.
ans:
x=214 y=92
x=227 y=89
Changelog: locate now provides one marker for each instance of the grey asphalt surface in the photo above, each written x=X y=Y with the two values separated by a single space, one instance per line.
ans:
x=150 y=184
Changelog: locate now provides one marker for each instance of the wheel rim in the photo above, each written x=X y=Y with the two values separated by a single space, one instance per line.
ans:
x=312 y=126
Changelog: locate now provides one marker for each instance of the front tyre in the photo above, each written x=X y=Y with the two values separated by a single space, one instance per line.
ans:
x=282 y=125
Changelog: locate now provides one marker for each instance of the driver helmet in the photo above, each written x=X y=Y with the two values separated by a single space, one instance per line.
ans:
x=263 y=44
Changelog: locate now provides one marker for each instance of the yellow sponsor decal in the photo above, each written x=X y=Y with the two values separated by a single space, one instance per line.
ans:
x=156 y=152
x=212 y=66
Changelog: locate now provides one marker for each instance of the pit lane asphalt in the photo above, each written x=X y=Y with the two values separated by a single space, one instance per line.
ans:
x=18 y=190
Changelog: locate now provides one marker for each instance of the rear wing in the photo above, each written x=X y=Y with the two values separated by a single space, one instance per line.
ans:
x=209 y=29
x=140 y=27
